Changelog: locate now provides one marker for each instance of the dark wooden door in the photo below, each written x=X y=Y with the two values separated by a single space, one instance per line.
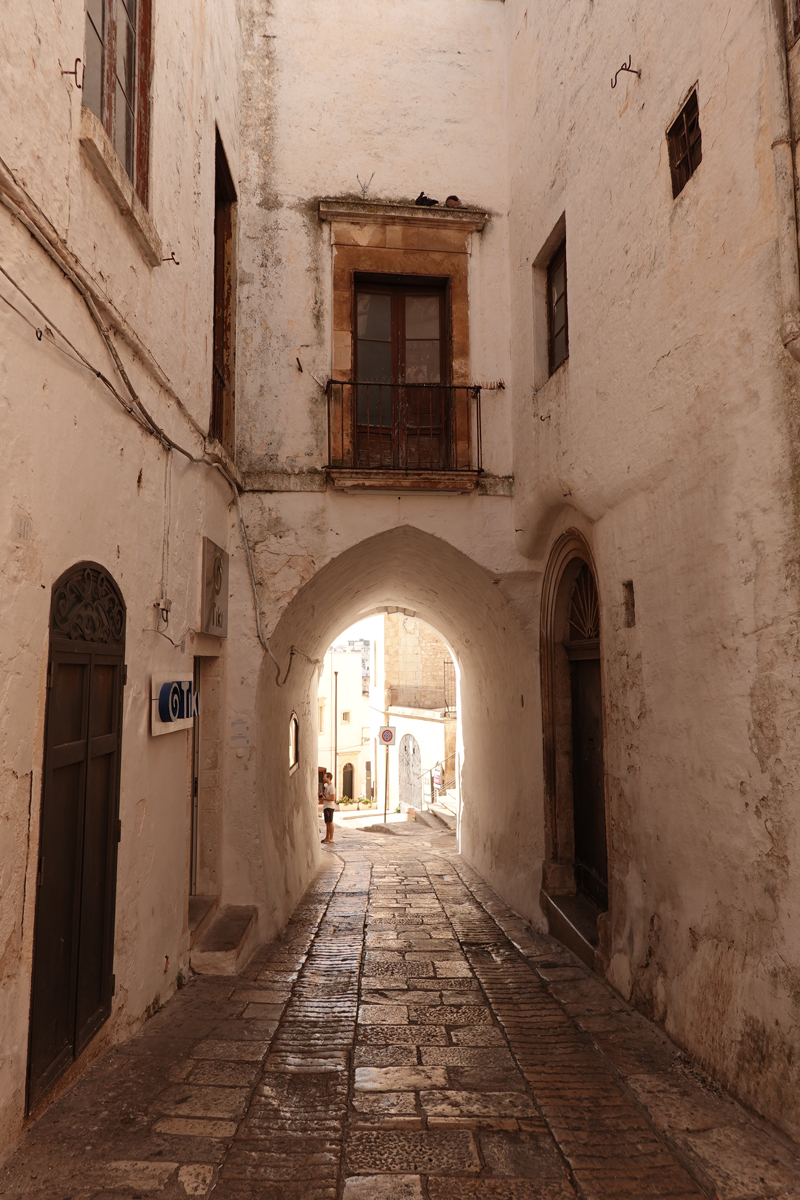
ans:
x=76 y=883
x=588 y=790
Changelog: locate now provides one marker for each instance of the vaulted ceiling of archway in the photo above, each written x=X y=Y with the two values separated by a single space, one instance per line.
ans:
x=407 y=568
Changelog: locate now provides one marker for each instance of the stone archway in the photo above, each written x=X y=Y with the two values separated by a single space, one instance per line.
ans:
x=575 y=875
x=497 y=758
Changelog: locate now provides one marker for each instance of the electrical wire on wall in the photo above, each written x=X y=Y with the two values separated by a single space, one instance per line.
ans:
x=49 y=240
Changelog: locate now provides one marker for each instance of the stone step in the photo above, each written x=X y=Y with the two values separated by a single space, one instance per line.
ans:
x=229 y=941
x=573 y=920
x=201 y=914
x=444 y=814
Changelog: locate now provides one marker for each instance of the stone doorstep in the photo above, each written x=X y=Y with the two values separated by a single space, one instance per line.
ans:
x=202 y=910
x=228 y=943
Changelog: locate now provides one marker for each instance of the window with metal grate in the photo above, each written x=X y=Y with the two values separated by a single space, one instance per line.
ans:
x=685 y=145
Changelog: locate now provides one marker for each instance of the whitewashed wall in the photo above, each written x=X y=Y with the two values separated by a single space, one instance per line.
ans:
x=669 y=439
x=92 y=484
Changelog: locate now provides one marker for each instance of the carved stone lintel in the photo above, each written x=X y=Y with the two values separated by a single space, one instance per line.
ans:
x=87 y=607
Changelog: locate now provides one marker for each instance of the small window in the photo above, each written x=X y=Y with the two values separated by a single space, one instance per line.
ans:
x=294 y=741
x=223 y=426
x=558 y=333
x=116 y=83
x=346 y=718
x=685 y=145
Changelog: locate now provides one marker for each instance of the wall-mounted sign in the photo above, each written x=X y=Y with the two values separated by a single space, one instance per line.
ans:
x=387 y=734
x=240 y=732
x=173 y=704
x=215 y=589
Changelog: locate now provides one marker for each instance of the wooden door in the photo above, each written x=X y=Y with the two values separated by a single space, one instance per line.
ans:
x=588 y=790
x=402 y=401
x=588 y=775
x=347 y=781
x=72 y=981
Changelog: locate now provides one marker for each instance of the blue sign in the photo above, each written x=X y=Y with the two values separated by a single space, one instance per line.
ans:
x=178 y=701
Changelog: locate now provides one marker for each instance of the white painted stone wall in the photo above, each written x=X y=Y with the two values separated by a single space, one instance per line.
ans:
x=91 y=484
x=669 y=440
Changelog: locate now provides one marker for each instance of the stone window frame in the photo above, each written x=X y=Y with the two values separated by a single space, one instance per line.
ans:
x=402 y=240
x=131 y=196
x=102 y=52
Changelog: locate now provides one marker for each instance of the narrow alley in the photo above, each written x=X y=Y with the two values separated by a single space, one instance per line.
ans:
x=406 y=1037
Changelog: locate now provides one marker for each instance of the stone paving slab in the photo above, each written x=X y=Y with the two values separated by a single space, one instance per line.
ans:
x=366 y=1056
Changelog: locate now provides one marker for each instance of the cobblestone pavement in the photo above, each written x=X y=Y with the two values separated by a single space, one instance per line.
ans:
x=407 y=1037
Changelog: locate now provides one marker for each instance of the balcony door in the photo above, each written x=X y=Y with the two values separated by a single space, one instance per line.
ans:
x=402 y=407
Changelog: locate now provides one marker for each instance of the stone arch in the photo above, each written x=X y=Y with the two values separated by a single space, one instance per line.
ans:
x=570 y=632
x=496 y=667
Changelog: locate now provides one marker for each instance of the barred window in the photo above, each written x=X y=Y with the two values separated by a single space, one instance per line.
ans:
x=558 y=332
x=685 y=145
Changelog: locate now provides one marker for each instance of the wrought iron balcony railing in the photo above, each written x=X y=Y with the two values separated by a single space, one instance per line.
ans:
x=404 y=426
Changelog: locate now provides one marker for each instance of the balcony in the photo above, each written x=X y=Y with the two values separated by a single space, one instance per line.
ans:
x=390 y=436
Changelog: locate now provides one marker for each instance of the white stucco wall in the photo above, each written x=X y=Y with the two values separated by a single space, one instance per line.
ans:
x=669 y=440
x=91 y=483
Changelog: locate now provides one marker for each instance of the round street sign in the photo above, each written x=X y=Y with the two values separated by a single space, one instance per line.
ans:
x=387 y=734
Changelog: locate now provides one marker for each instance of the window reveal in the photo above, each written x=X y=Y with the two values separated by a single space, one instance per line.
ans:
x=294 y=741
x=558 y=332
x=223 y=401
x=116 y=85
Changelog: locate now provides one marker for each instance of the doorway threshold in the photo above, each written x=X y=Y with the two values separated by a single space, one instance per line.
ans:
x=573 y=920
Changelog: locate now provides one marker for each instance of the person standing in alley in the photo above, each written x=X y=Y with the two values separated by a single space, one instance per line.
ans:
x=329 y=806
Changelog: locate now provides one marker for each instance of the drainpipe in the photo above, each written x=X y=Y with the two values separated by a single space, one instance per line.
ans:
x=783 y=153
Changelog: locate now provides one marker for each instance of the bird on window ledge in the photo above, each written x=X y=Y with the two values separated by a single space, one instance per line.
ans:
x=423 y=201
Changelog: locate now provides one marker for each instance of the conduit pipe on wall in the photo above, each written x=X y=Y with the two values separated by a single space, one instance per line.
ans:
x=24 y=208
x=21 y=206
x=783 y=154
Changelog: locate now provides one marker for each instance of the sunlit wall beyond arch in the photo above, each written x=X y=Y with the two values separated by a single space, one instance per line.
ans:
x=276 y=845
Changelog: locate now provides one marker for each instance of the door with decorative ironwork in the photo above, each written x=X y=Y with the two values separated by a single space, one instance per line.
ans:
x=588 y=780
x=72 y=981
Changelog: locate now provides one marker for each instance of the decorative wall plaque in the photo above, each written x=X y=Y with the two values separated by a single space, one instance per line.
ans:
x=215 y=589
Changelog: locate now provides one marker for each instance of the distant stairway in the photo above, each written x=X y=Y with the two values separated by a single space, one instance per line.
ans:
x=224 y=939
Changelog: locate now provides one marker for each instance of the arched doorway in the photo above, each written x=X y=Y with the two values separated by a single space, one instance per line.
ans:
x=575 y=878
x=347 y=781
x=409 y=765
x=73 y=945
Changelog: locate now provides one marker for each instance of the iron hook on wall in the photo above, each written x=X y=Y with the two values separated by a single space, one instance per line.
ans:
x=171 y=258
x=626 y=67
x=74 y=71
